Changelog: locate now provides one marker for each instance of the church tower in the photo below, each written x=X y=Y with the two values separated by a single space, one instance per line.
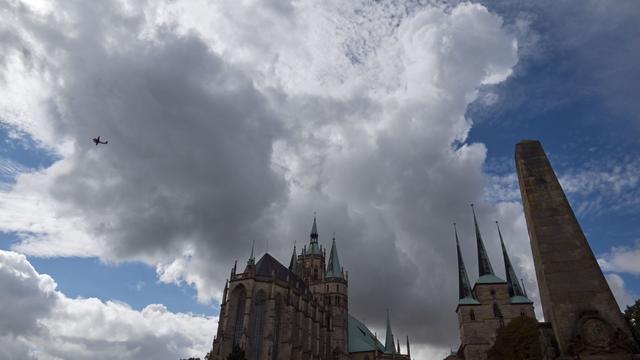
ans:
x=490 y=304
x=328 y=285
x=337 y=299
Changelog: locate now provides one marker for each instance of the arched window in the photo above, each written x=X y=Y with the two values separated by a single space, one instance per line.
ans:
x=472 y=315
x=498 y=314
x=238 y=296
x=493 y=292
x=276 y=327
x=496 y=311
x=522 y=313
x=295 y=327
x=257 y=325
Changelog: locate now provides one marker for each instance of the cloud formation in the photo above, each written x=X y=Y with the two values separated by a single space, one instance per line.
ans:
x=37 y=321
x=223 y=130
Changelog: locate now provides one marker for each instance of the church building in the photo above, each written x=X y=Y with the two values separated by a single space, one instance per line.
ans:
x=490 y=304
x=299 y=312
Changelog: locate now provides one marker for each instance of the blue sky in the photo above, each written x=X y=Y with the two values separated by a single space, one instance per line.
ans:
x=374 y=115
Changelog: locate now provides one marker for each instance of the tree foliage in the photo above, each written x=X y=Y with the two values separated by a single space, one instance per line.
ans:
x=519 y=340
x=632 y=314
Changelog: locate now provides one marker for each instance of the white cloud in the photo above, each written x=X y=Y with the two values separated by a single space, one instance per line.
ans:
x=37 y=320
x=232 y=121
x=622 y=295
x=622 y=259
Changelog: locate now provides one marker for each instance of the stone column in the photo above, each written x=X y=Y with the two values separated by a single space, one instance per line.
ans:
x=575 y=296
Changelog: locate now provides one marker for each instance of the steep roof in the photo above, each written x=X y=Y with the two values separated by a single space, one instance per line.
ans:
x=515 y=290
x=293 y=264
x=360 y=337
x=268 y=265
x=484 y=264
x=314 y=247
x=333 y=267
x=389 y=344
x=465 y=295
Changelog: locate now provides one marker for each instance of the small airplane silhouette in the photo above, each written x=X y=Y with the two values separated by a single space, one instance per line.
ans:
x=97 y=141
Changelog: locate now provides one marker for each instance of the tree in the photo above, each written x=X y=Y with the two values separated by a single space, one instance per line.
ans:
x=632 y=314
x=237 y=354
x=519 y=340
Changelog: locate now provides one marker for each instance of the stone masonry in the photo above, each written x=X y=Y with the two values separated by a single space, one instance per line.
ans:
x=574 y=294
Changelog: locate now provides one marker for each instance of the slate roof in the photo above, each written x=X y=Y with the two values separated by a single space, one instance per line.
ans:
x=484 y=264
x=268 y=264
x=465 y=295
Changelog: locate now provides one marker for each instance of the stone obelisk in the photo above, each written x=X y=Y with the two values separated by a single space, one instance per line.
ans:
x=575 y=296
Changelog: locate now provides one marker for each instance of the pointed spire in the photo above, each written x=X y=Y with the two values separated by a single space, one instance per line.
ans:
x=512 y=279
x=293 y=264
x=484 y=265
x=314 y=230
x=464 y=287
x=389 y=344
x=408 y=348
x=523 y=288
x=398 y=340
x=333 y=266
x=314 y=248
x=252 y=259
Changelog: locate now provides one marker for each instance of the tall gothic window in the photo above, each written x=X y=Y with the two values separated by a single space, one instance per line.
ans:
x=498 y=314
x=239 y=297
x=257 y=325
x=496 y=311
x=276 y=327
x=295 y=326
x=472 y=315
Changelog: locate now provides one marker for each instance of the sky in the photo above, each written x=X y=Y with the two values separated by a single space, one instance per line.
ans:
x=236 y=121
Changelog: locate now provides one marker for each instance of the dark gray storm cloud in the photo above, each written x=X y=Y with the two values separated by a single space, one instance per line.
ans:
x=223 y=131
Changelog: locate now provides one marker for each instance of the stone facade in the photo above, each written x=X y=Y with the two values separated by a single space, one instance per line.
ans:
x=576 y=299
x=296 y=313
x=491 y=304
x=479 y=323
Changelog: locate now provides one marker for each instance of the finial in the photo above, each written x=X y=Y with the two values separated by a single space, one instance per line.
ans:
x=455 y=231
x=499 y=232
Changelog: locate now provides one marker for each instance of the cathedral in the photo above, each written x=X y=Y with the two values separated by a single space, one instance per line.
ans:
x=299 y=312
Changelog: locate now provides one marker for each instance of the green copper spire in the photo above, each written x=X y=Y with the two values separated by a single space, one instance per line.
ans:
x=314 y=231
x=314 y=248
x=464 y=287
x=484 y=265
x=515 y=290
x=293 y=265
x=333 y=267
x=389 y=344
